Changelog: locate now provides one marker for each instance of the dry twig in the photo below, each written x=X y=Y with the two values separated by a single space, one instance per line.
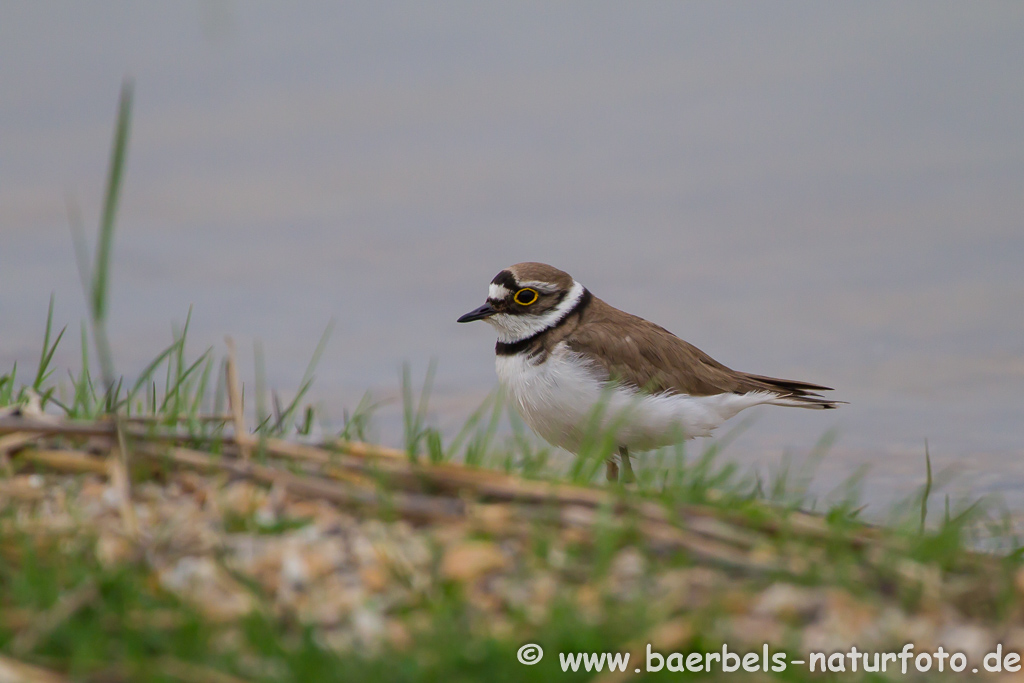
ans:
x=409 y=505
x=10 y=443
x=74 y=462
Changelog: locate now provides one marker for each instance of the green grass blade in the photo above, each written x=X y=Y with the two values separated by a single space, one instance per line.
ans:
x=147 y=373
x=104 y=245
x=79 y=242
x=99 y=292
x=285 y=416
x=357 y=426
x=927 y=486
x=173 y=394
x=46 y=355
x=263 y=415
x=7 y=386
x=415 y=414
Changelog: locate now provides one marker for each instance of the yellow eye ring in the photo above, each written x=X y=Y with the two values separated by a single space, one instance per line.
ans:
x=530 y=296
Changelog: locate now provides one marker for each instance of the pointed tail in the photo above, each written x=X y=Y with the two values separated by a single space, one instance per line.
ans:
x=805 y=401
x=795 y=394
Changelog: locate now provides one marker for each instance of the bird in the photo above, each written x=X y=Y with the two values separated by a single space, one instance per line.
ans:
x=565 y=356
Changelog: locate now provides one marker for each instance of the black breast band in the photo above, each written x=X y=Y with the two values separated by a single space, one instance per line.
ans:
x=503 y=349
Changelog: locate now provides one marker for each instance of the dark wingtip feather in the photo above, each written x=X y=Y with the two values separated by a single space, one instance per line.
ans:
x=792 y=387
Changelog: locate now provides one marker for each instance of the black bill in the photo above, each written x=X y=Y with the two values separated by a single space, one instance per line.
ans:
x=484 y=311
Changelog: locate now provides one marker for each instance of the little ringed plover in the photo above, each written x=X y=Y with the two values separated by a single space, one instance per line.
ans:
x=562 y=352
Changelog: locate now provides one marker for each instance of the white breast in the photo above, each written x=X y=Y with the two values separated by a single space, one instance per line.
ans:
x=563 y=398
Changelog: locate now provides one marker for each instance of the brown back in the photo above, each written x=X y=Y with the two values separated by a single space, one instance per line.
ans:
x=641 y=354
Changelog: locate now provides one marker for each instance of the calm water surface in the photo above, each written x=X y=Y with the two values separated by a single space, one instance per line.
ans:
x=832 y=193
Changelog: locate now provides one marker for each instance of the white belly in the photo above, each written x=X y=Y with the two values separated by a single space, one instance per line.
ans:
x=563 y=399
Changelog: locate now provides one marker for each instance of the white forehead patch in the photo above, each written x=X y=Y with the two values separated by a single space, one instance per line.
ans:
x=498 y=292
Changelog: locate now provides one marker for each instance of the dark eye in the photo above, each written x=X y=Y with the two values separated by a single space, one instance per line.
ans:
x=526 y=296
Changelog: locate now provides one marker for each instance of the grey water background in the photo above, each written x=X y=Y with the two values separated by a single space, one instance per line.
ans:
x=826 y=192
